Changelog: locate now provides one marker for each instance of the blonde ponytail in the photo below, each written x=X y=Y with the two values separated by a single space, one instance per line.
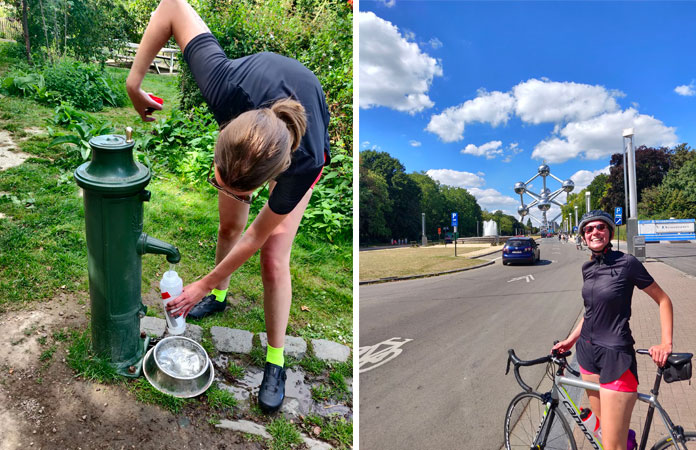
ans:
x=293 y=114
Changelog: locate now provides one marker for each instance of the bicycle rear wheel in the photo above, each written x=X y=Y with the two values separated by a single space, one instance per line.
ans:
x=524 y=419
x=666 y=443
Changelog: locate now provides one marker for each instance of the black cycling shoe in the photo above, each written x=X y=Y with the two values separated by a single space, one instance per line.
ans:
x=272 y=390
x=206 y=307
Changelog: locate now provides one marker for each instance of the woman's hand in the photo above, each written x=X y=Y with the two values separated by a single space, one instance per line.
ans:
x=660 y=353
x=143 y=103
x=191 y=295
x=564 y=345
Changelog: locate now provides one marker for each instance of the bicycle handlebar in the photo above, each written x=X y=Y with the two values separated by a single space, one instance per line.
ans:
x=558 y=358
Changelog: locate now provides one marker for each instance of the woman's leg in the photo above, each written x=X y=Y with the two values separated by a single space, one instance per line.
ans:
x=593 y=396
x=275 y=273
x=233 y=219
x=617 y=408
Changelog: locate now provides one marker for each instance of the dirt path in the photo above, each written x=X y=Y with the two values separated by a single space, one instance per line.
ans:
x=42 y=405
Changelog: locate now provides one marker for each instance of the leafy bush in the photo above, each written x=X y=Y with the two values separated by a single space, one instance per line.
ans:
x=82 y=85
x=82 y=127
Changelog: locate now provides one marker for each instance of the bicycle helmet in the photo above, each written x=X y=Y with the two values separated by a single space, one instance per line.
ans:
x=593 y=215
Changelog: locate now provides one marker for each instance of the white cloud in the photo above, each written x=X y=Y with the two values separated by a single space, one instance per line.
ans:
x=512 y=150
x=490 y=149
x=414 y=143
x=393 y=71
x=686 y=89
x=539 y=101
x=600 y=136
x=494 y=108
x=583 y=178
x=435 y=43
x=455 y=178
x=388 y=3
x=491 y=199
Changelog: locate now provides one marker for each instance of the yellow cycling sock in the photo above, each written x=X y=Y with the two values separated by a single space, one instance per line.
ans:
x=275 y=355
x=219 y=295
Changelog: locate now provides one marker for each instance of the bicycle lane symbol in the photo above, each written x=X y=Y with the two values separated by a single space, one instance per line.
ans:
x=374 y=356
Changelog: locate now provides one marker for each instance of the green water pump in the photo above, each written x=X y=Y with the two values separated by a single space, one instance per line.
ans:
x=113 y=186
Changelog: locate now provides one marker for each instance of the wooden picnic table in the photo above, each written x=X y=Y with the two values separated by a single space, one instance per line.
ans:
x=166 y=56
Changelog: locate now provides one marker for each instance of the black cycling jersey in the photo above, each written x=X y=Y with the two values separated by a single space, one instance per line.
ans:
x=231 y=87
x=607 y=290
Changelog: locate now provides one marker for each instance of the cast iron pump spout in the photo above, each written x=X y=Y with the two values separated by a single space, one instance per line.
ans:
x=148 y=244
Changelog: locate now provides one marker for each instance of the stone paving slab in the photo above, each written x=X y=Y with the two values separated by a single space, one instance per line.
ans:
x=294 y=346
x=231 y=340
x=153 y=326
x=244 y=426
x=330 y=351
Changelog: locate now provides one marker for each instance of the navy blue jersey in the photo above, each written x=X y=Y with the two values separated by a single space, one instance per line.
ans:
x=232 y=87
x=607 y=291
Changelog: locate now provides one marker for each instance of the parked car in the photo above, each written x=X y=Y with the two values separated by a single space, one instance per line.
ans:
x=521 y=250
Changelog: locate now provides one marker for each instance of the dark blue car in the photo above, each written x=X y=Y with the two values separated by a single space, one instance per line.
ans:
x=521 y=249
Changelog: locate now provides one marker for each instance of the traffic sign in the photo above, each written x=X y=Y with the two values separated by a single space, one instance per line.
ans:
x=455 y=219
x=618 y=215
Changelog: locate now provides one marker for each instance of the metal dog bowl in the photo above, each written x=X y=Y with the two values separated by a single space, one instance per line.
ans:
x=178 y=366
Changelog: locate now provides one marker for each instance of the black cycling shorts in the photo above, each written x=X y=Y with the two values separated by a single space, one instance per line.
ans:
x=609 y=363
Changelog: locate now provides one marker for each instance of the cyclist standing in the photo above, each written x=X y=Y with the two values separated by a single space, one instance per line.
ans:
x=603 y=339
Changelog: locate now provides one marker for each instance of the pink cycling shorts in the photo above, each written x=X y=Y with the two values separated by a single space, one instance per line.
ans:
x=626 y=382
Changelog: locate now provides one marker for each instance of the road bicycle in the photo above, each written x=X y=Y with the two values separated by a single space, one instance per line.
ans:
x=535 y=421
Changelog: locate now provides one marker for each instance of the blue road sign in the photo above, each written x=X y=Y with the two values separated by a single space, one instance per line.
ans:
x=455 y=219
x=618 y=214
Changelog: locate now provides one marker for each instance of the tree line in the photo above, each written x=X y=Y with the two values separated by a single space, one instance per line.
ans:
x=392 y=203
x=665 y=184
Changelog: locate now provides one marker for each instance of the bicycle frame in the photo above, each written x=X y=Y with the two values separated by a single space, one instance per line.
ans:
x=559 y=394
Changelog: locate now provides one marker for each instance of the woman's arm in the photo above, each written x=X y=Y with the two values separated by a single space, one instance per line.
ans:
x=568 y=342
x=660 y=352
x=253 y=239
x=171 y=18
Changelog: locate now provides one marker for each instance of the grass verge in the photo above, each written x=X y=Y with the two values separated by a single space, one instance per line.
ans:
x=401 y=262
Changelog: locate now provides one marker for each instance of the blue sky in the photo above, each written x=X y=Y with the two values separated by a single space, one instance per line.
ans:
x=479 y=94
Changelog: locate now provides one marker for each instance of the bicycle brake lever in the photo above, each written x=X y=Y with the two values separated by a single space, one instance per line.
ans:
x=507 y=369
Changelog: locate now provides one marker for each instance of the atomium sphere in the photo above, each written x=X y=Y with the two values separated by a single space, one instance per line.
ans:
x=545 y=193
x=520 y=187
x=522 y=210
x=544 y=170
x=544 y=205
x=568 y=185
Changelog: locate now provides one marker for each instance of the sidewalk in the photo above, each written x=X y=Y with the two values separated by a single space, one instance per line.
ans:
x=678 y=399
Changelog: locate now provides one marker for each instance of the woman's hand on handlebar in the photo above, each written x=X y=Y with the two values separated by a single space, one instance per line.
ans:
x=564 y=345
x=659 y=353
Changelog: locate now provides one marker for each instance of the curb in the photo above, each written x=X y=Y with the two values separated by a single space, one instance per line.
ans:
x=426 y=275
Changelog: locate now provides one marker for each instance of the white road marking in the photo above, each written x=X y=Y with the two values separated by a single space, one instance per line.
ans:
x=526 y=278
x=372 y=356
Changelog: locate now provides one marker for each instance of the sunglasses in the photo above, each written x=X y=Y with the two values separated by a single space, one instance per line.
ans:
x=590 y=228
x=247 y=199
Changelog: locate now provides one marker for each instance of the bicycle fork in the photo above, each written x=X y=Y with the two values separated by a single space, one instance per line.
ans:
x=544 y=429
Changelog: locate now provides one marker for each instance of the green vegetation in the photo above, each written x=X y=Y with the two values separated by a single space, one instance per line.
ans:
x=333 y=429
x=145 y=393
x=285 y=434
x=664 y=180
x=220 y=399
x=235 y=370
x=386 y=189
x=85 y=363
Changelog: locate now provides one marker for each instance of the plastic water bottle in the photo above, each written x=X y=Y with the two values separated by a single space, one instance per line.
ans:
x=591 y=422
x=171 y=287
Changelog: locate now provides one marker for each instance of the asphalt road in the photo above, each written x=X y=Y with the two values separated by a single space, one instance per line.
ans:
x=680 y=255
x=447 y=388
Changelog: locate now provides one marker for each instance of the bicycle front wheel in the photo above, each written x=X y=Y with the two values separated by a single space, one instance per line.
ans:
x=666 y=443
x=526 y=418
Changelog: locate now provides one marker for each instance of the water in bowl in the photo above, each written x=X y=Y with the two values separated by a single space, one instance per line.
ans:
x=180 y=361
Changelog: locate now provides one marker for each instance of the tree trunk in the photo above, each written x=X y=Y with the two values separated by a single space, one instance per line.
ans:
x=25 y=28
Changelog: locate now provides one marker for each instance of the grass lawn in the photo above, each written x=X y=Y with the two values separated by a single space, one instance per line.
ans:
x=400 y=262
x=42 y=236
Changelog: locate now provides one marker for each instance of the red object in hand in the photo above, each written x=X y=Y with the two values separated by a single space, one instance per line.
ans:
x=157 y=99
